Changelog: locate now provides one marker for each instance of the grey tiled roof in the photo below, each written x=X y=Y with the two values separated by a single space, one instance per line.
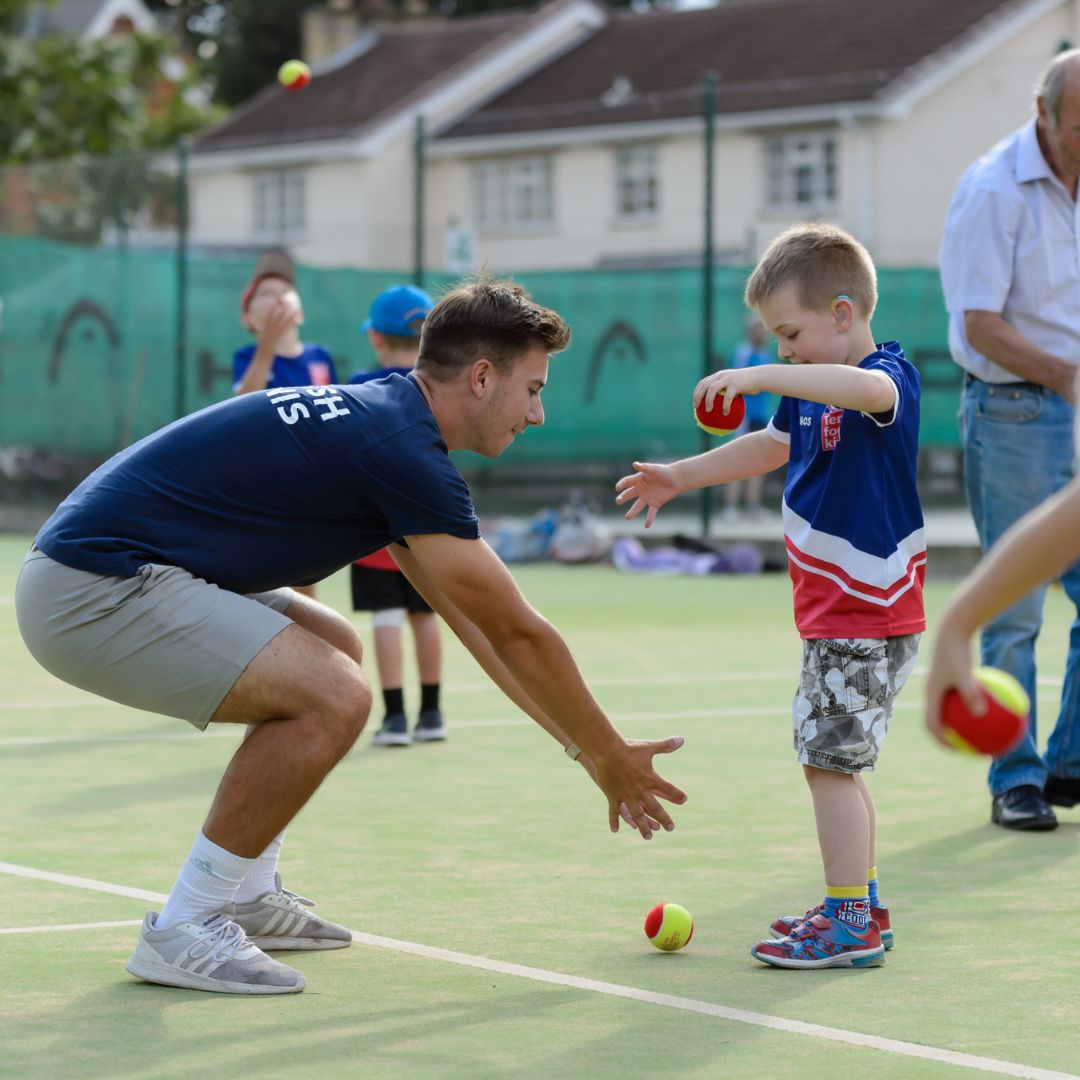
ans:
x=767 y=54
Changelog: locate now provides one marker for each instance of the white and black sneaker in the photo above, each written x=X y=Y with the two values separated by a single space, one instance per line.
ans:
x=212 y=955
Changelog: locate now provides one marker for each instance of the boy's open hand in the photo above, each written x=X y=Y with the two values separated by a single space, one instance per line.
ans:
x=634 y=788
x=651 y=486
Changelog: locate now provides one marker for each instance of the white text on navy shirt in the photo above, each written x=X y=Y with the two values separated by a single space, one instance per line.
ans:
x=323 y=401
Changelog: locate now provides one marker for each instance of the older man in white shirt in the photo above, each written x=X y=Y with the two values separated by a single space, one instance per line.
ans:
x=1010 y=268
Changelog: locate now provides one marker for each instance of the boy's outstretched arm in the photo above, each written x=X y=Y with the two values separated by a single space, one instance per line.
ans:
x=1036 y=548
x=829 y=384
x=654 y=485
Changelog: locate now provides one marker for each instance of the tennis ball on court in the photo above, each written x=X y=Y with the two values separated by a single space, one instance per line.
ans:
x=714 y=421
x=1003 y=724
x=294 y=75
x=669 y=927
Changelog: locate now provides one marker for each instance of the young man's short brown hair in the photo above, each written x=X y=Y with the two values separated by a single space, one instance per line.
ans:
x=821 y=262
x=485 y=317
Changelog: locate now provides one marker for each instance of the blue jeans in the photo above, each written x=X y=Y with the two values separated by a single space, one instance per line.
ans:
x=1018 y=450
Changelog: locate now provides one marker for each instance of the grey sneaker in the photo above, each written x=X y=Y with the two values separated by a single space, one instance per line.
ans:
x=214 y=955
x=280 y=921
x=429 y=726
x=394 y=731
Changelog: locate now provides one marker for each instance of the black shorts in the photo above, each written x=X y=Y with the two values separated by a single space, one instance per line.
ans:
x=380 y=590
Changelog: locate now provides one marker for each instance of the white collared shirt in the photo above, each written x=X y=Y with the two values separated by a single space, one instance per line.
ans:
x=1011 y=245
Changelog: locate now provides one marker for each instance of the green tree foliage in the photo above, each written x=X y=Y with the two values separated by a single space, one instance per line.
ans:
x=60 y=97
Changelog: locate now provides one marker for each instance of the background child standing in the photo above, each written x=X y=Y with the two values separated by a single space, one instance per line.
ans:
x=393 y=326
x=847 y=427
x=270 y=308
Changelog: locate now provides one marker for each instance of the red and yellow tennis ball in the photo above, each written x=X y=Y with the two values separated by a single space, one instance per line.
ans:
x=1003 y=724
x=714 y=421
x=669 y=926
x=294 y=75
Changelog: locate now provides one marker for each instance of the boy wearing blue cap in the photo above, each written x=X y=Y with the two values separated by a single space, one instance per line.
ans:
x=393 y=327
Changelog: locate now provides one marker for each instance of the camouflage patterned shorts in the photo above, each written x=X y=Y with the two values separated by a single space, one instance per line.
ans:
x=845 y=701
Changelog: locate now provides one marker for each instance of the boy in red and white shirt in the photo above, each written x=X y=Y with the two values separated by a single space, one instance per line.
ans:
x=847 y=429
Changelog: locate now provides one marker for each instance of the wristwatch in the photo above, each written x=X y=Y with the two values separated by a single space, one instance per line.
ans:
x=572 y=752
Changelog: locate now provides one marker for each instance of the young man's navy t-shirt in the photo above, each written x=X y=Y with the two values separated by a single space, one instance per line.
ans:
x=277 y=487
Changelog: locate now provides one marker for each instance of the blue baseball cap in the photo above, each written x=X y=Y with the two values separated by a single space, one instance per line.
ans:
x=398 y=311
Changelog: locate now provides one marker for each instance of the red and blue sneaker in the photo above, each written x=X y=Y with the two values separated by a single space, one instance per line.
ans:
x=821 y=942
x=786 y=923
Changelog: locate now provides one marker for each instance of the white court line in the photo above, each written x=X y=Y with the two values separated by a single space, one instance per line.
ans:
x=80 y=882
x=71 y=926
x=632 y=993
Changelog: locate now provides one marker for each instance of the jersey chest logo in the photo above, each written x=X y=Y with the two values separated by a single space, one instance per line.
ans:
x=831 y=420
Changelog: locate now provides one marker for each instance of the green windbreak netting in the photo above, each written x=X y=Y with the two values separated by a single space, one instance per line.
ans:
x=89 y=358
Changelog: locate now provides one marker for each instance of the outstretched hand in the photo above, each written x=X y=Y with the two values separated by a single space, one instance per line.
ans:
x=633 y=787
x=651 y=486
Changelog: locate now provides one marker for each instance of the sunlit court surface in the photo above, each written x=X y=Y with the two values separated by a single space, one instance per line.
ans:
x=498 y=924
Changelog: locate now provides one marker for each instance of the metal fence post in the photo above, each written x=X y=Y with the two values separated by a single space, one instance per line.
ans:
x=181 y=277
x=419 y=166
x=708 y=266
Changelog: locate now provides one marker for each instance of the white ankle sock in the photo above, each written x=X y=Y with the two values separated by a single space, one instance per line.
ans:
x=207 y=882
x=260 y=878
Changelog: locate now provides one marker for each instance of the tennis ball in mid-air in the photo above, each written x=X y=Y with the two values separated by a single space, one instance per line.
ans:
x=1003 y=724
x=714 y=421
x=294 y=75
x=669 y=927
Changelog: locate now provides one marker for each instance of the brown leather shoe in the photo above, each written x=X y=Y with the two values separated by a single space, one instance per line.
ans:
x=1023 y=808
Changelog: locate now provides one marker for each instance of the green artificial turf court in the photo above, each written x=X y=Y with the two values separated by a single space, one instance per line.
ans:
x=491 y=853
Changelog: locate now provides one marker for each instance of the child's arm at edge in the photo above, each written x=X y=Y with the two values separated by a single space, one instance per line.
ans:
x=1031 y=552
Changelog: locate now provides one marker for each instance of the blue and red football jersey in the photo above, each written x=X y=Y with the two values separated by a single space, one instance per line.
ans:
x=853 y=522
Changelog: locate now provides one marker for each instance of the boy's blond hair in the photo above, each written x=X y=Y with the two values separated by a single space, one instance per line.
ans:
x=822 y=262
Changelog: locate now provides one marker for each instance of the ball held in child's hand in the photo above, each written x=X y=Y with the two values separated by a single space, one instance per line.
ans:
x=714 y=421
x=1003 y=724
x=294 y=74
x=669 y=927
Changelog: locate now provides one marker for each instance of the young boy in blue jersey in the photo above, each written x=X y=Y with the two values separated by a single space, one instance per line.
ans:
x=393 y=327
x=270 y=308
x=162 y=582
x=847 y=429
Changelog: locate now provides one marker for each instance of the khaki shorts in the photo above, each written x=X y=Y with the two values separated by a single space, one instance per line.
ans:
x=842 y=710
x=162 y=641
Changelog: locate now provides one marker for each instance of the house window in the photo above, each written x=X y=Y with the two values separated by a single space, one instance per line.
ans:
x=637 y=183
x=513 y=194
x=801 y=172
x=279 y=204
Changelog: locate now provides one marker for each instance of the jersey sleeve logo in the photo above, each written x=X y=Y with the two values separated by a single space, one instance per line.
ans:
x=319 y=372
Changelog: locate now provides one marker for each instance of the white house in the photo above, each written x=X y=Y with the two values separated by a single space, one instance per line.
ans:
x=572 y=136
x=89 y=20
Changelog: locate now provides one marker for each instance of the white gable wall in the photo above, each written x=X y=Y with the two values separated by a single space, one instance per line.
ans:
x=920 y=158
